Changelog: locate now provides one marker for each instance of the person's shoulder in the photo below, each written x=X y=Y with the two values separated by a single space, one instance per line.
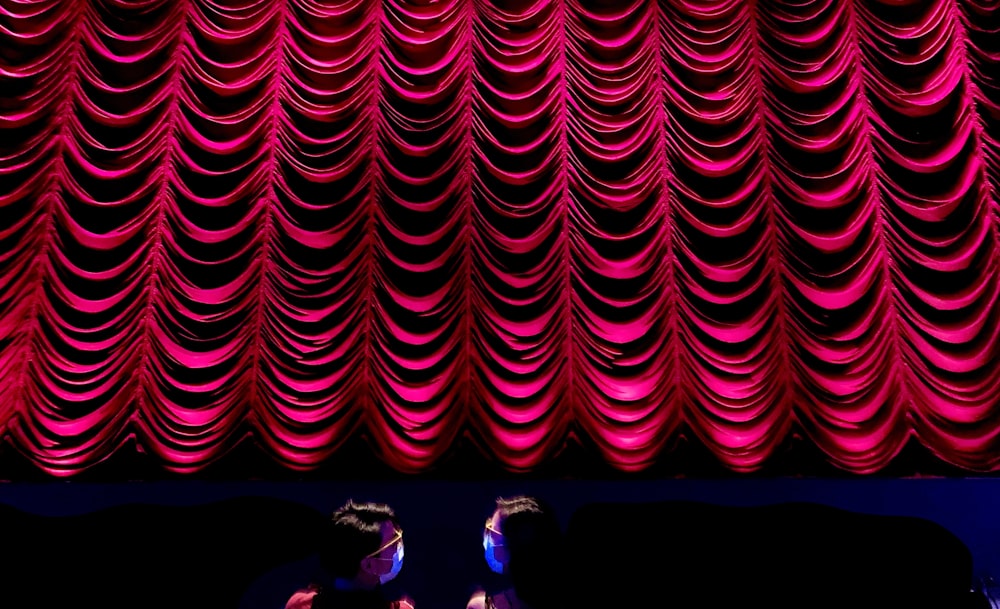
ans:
x=477 y=601
x=403 y=603
x=303 y=599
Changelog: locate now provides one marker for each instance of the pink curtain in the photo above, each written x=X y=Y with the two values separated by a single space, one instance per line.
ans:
x=525 y=223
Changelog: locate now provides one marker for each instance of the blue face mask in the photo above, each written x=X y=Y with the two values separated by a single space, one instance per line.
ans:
x=490 y=552
x=396 y=560
x=397 y=565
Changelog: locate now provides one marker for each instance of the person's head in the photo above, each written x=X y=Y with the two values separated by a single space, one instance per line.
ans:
x=363 y=544
x=522 y=540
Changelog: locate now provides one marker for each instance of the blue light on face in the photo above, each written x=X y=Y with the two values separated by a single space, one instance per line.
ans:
x=489 y=550
x=397 y=565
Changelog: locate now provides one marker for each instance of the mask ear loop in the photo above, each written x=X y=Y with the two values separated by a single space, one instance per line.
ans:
x=498 y=534
x=397 y=538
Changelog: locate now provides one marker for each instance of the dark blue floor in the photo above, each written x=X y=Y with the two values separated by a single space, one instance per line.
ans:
x=443 y=520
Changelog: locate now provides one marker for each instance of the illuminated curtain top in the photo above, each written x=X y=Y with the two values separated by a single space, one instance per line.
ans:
x=520 y=222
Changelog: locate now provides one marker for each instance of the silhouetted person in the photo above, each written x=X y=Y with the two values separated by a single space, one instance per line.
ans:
x=522 y=541
x=361 y=550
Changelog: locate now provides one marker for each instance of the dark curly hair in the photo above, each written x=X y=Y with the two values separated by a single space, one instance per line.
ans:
x=353 y=532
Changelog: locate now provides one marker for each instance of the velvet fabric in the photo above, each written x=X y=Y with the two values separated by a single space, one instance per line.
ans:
x=527 y=223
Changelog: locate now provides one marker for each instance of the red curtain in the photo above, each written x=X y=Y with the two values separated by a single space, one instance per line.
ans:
x=519 y=222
